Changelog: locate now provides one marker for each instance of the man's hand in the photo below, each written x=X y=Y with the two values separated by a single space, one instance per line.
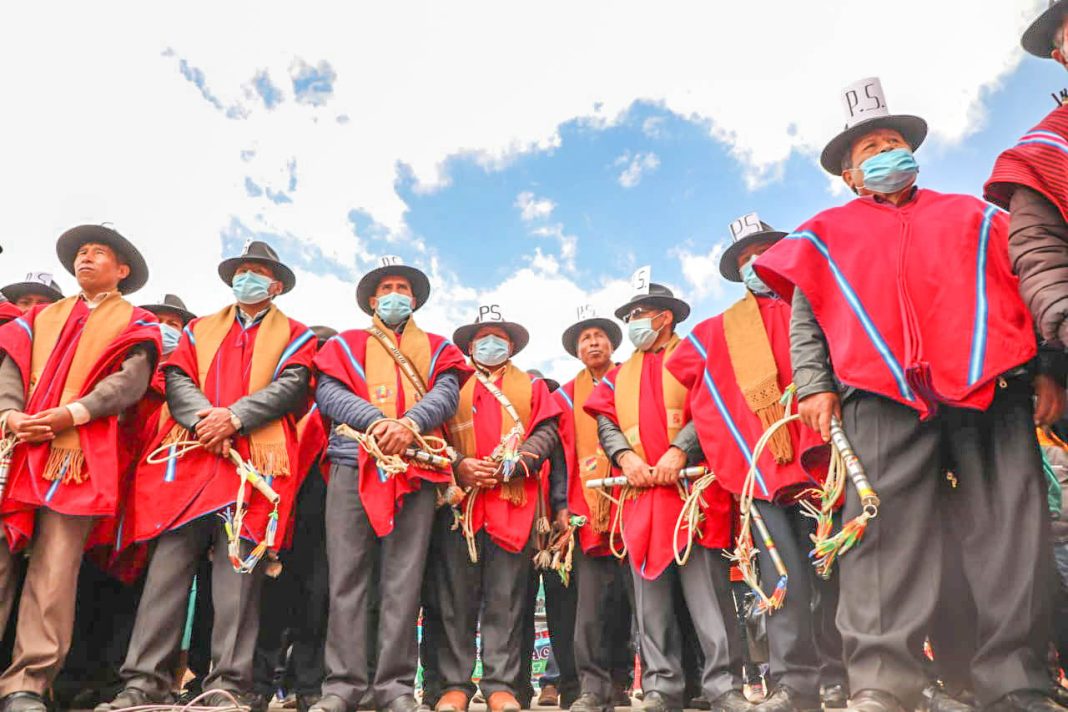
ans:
x=219 y=447
x=55 y=420
x=1049 y=400
x=213 y=428
x=666 y=470
x=816 y=411
x=562 y=520
x=392 y=437
x=475 y=472
x=638 y=473
x=25 y=431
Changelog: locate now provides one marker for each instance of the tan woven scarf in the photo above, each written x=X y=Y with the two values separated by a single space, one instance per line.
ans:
x=592 y=462
x=756 y=371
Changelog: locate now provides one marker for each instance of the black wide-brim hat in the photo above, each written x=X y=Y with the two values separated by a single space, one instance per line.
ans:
x=18 y=290
x=659 y=297
x=369 y=284
x=728 y=262
x=260 y=253
x=173 y=305
x=913 y=128
x=1037 y=39
x=516 y=332
x=72 y=240
x=609 y=327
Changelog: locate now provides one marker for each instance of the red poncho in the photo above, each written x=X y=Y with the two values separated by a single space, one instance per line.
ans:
x=727 y=426
x=650 y=406
x=62 y=351
x=1039 y=160
x=357 y=359
x=226 y=362
x=918 y=303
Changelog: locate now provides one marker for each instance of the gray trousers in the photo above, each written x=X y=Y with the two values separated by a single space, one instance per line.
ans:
x=496 y=588
x=351 y=550
x=157 y=635
x=705 y=588
x=603 y=653
x=997 y=514
x=801 y=655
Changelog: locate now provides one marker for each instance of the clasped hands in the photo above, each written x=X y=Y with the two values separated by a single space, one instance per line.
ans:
x=39 y=427
x=481 y=471
x=664 y=472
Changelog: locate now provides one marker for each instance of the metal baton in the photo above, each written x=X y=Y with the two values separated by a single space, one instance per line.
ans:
x=868 y=499
x=686 y=473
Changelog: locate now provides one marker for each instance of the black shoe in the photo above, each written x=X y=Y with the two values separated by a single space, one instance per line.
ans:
x=936 y=699
x=591 y=702
x=1026 y=701
x=404 y=703
x=731 y=701
x=569 y=692
x=130 y=697
x=189 y=693
x=700 y=703
x=874 y=701
x=834 y=697
x=329 y=703
x=306 y=702
x=24 y=702
x=653 y=701
x=786 y=699
x=258 y=701
x=227 y=699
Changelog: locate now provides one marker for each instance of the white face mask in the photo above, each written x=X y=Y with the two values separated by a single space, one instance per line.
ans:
x=642 y=334
x=491 y=351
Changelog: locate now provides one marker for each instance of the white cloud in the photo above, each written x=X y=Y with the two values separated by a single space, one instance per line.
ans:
x=533 y=208
x=636 y=167
x=653 y=127
x=701 y=271
x=100 y=124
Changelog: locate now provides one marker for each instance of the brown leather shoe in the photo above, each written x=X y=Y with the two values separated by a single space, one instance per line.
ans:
x=503 y=702
x=452 y=701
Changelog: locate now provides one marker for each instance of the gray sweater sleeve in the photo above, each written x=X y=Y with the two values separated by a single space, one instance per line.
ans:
x=613 y=441
x=439 y=403
x=12 y=396
x=558 y=479
x=120 y=390
x=809 y=353
x=1038 y=249
x=541 y=441
x=284 y=394
x=687 y=441
x=184 y=399
x=341 y=405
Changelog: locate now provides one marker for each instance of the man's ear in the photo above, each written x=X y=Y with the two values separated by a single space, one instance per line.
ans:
x=373 y=301
x=124 y=271
x=849 y=177
x=275 y=289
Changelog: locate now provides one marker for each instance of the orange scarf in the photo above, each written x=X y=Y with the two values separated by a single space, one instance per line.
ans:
x=628 y=397
x=592 y=462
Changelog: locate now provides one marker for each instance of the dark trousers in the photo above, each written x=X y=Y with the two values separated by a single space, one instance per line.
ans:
x=199 y=653
x=890 y=582
x=704 y=584
x=560 y=603
x=488 y=596
x=803 y=652
x=294 y=605
x=352 y=548
x=604 y=655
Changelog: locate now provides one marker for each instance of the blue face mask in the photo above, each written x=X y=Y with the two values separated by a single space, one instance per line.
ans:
x=251 y=288
x=890 y=171
x=752 y=282
x=491 y=351
x=393 y=308
x=641 y=333
x=170 y=337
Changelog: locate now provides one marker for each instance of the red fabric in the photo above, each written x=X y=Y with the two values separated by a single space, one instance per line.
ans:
x=593 y=544
x=1039 y=160
x=915 y=271
x=202 y=483
x=701 y=373
x=649 y=519
x=508 y=525
x=109 y=444
x=9 y=311
x=382 y=497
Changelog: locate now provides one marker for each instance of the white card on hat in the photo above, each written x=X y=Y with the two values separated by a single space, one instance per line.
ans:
x=641 y=278
x=489 y=312
x=44 y=278
x=586 y=311
x=390 y=261
x=744 y=226
x=864 y=99
x=248 y=244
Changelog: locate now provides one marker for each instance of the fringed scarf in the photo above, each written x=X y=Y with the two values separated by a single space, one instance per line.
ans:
x=592 y=462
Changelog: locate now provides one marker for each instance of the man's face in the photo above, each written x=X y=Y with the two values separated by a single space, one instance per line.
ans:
x=594 y=348
x=1060 y=52
x=492 y=331
x=29 y=301
x=264 y=271
x=750 y=252
x=98 y=269
x=393 y=284
x=170 y=319
x=868 y=145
